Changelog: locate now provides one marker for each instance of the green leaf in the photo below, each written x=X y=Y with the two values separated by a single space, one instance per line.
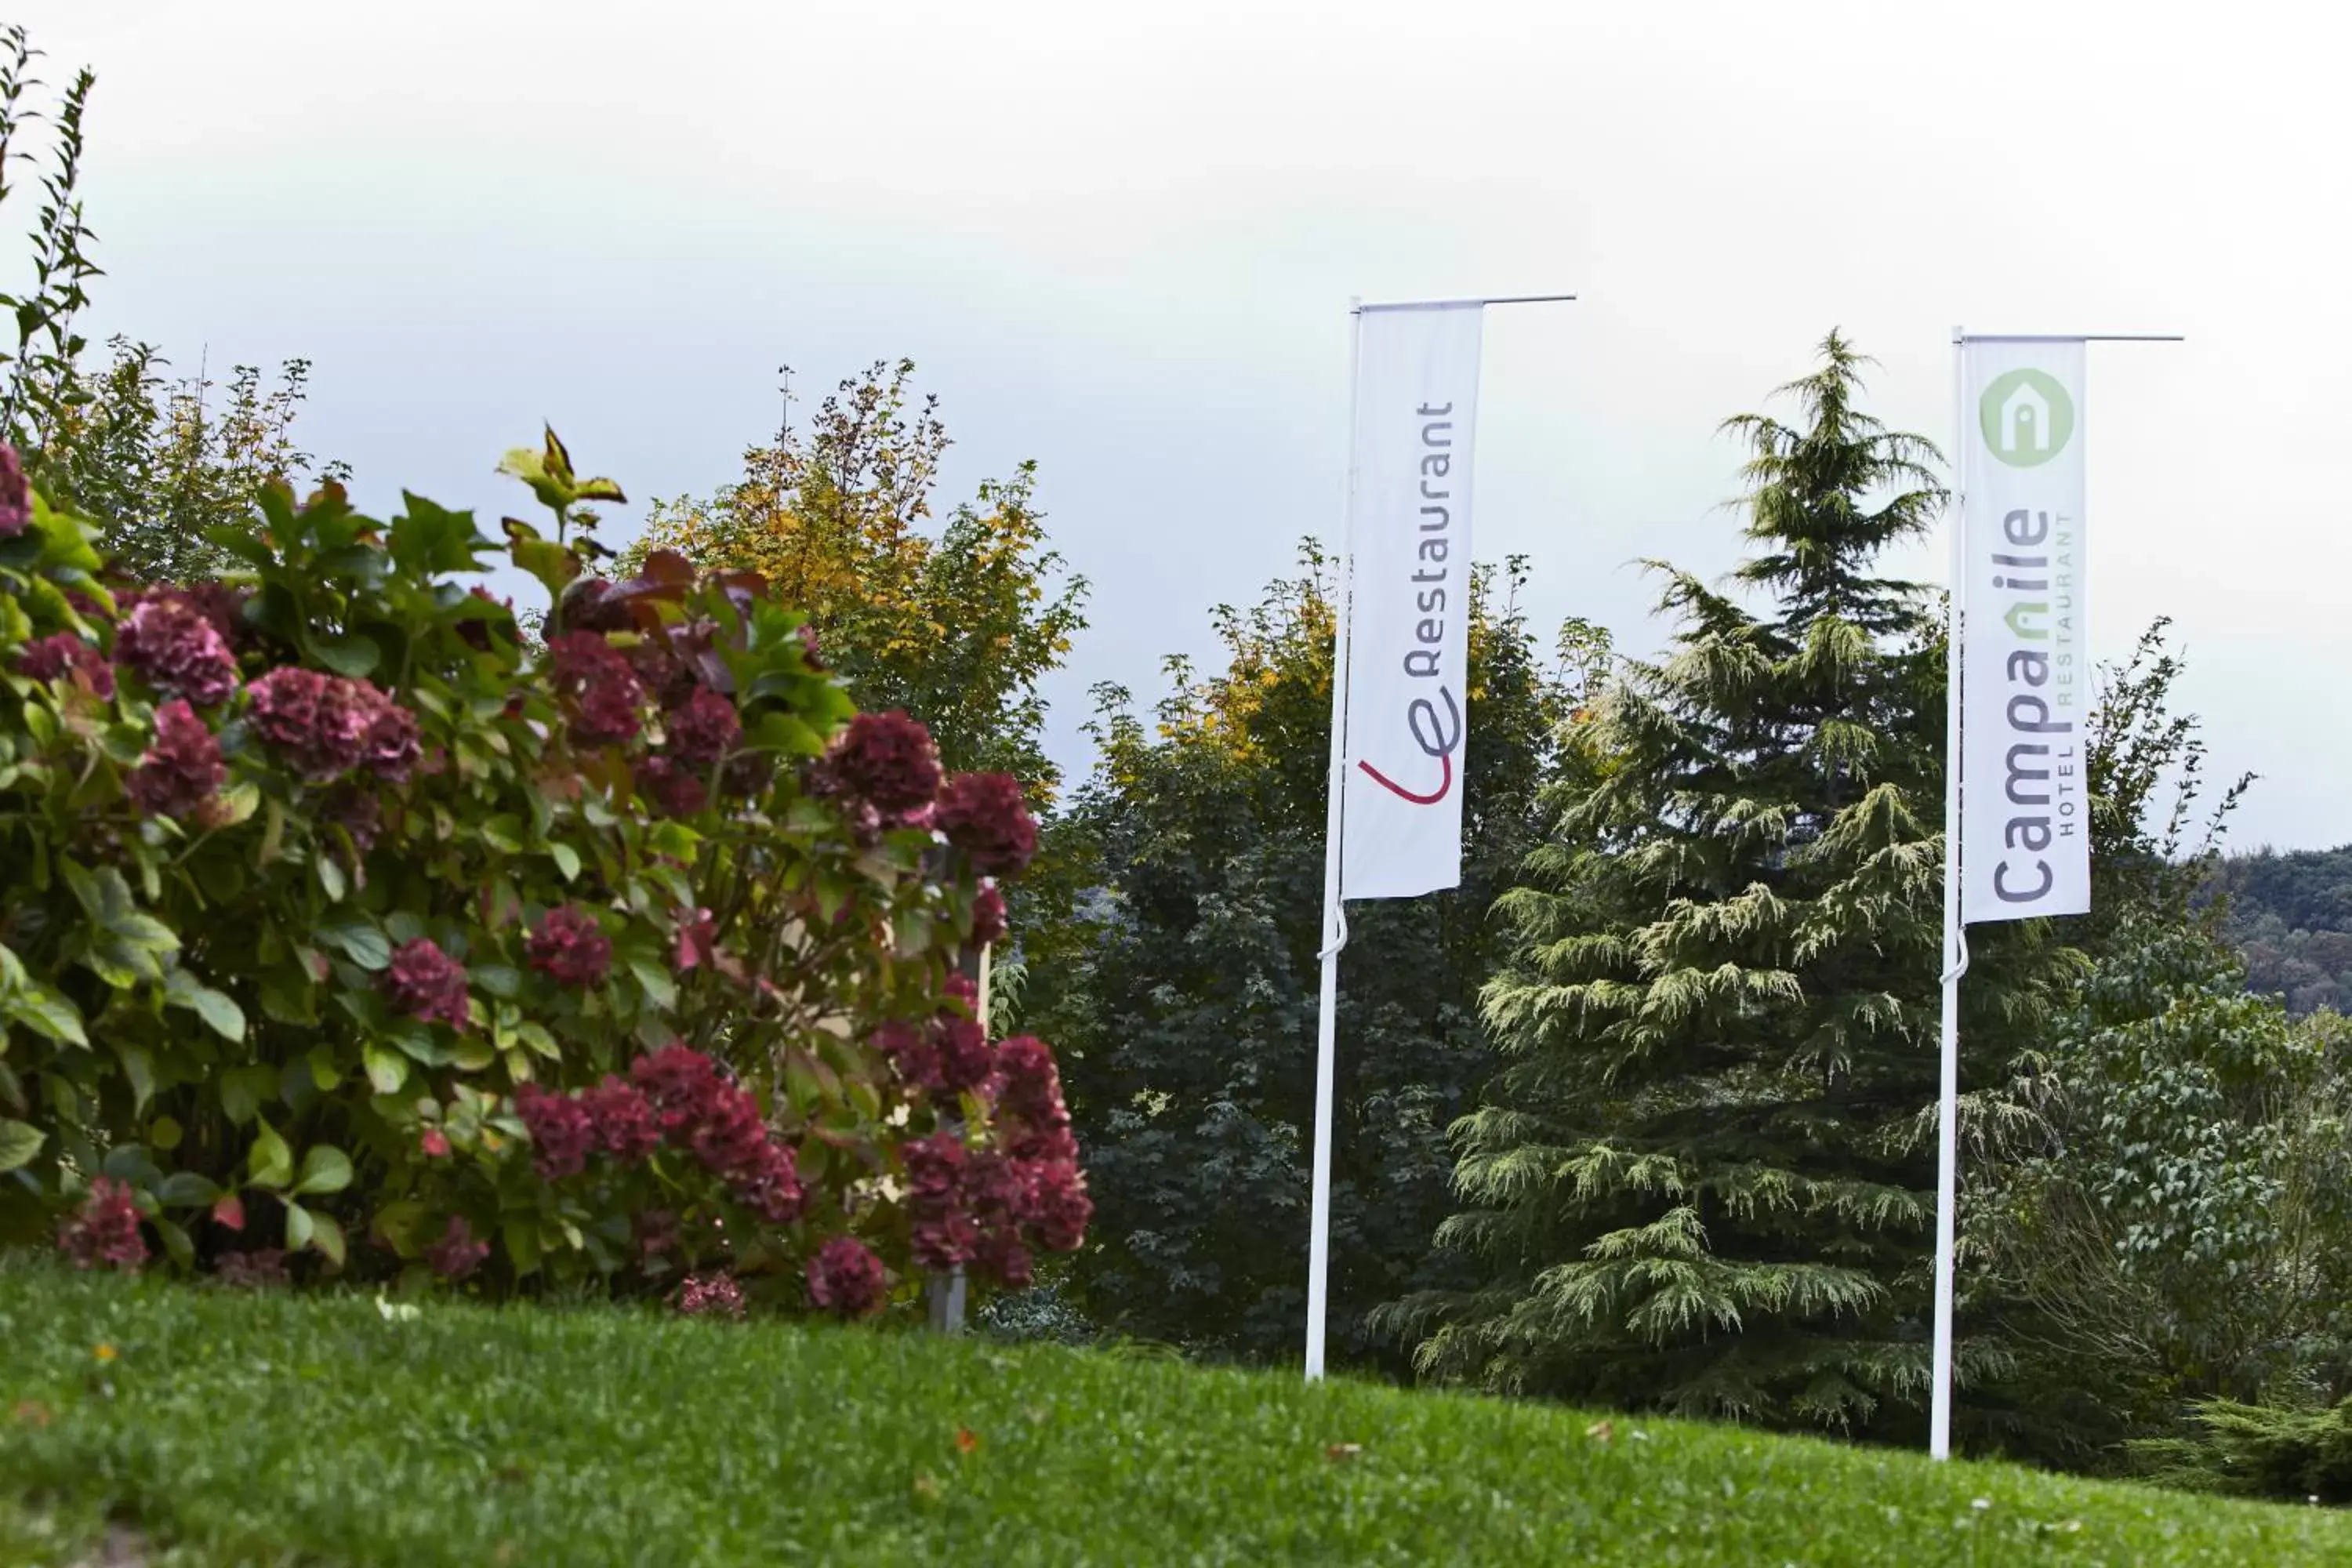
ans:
x=166 y=1133
x=551 y=562
x=46 y=1011
x=497 y=979
x=325 y=1169
x=238 y=803
x=540 y=1042
x=522 y=1242
x=19 y=1143
x=386 y=1071
x=187 y=1190
x=330 y=878
x=354 y=656
x=139 y=1066
x=324 y=1073
x=244 y=1089
x=358 y=938
x=659 y=989
x=177 y=1244
x=287 y=997
x=401 y=1225
x=428 y=540
x=327 y=1238
x=300 y=1226
x=271 y=1163
x=221 y=1015
x=130 y=1163
x=566 y=858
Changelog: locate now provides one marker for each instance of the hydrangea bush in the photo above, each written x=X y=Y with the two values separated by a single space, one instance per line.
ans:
x=349 y=931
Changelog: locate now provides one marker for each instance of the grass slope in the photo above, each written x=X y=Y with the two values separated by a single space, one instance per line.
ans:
x=242 y=1428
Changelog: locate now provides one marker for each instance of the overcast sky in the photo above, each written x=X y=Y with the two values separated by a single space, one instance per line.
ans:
x=1120 y=239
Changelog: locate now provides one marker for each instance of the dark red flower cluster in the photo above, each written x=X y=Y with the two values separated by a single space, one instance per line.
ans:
x=434 y=1144
x=625 y=1126
x=219 y=603
x=701 y=728
x=888 y=761
x=457 y=1254
x=60 y=654
x=966 y=1057
x=1059 y=1206
x=996 y=1190
x=1029 y=1105
x=678 y=1081
x=988 y=1208
x=676 y=1093
x=571 y=947
x=912 y=1054
x=327 y=725
x=846 y=1277
x=811 y=651
x=106 y=1230
x=676 y=661
x=1003 y=1256
x=561 y=1129
x=732 y=1142
x=174 y=648
x=944 y=1235
x=710 y=1296
x=987 y=917
x=984 y=815
x=426 y=982
x=951 y=1053
x=606 y=694
x=390 y=745
x=183 y=771
x=678 y=791
x=254 y=1271
x=16 y=493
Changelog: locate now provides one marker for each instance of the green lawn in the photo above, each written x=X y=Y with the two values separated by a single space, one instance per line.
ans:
x=264 y=1428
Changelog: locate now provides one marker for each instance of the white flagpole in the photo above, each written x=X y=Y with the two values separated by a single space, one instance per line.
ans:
x=1335 y=919
x=1956 y=939
x=1955 y=951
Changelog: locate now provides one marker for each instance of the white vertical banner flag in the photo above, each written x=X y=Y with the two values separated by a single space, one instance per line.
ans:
x=2025 y=841
x=1409 y=619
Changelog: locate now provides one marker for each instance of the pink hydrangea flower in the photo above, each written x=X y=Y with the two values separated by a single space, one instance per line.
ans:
x=457 y=1254
x=182 y=770
x=846 y=1277
x=570 y=946
x=710 y=1296
x=174 y=648
x=887 y=760
x=426 y=982
x=106 y=1230
x=984 y=815
x=606 y=694
x=15 y=494
x=988 y=917
x=561 y=1130
x=701 y=728
x=62 y=654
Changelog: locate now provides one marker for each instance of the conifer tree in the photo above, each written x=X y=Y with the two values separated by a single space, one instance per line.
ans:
x=1702 y=1179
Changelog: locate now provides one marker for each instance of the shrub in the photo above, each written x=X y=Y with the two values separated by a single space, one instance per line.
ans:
x=342 y=918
